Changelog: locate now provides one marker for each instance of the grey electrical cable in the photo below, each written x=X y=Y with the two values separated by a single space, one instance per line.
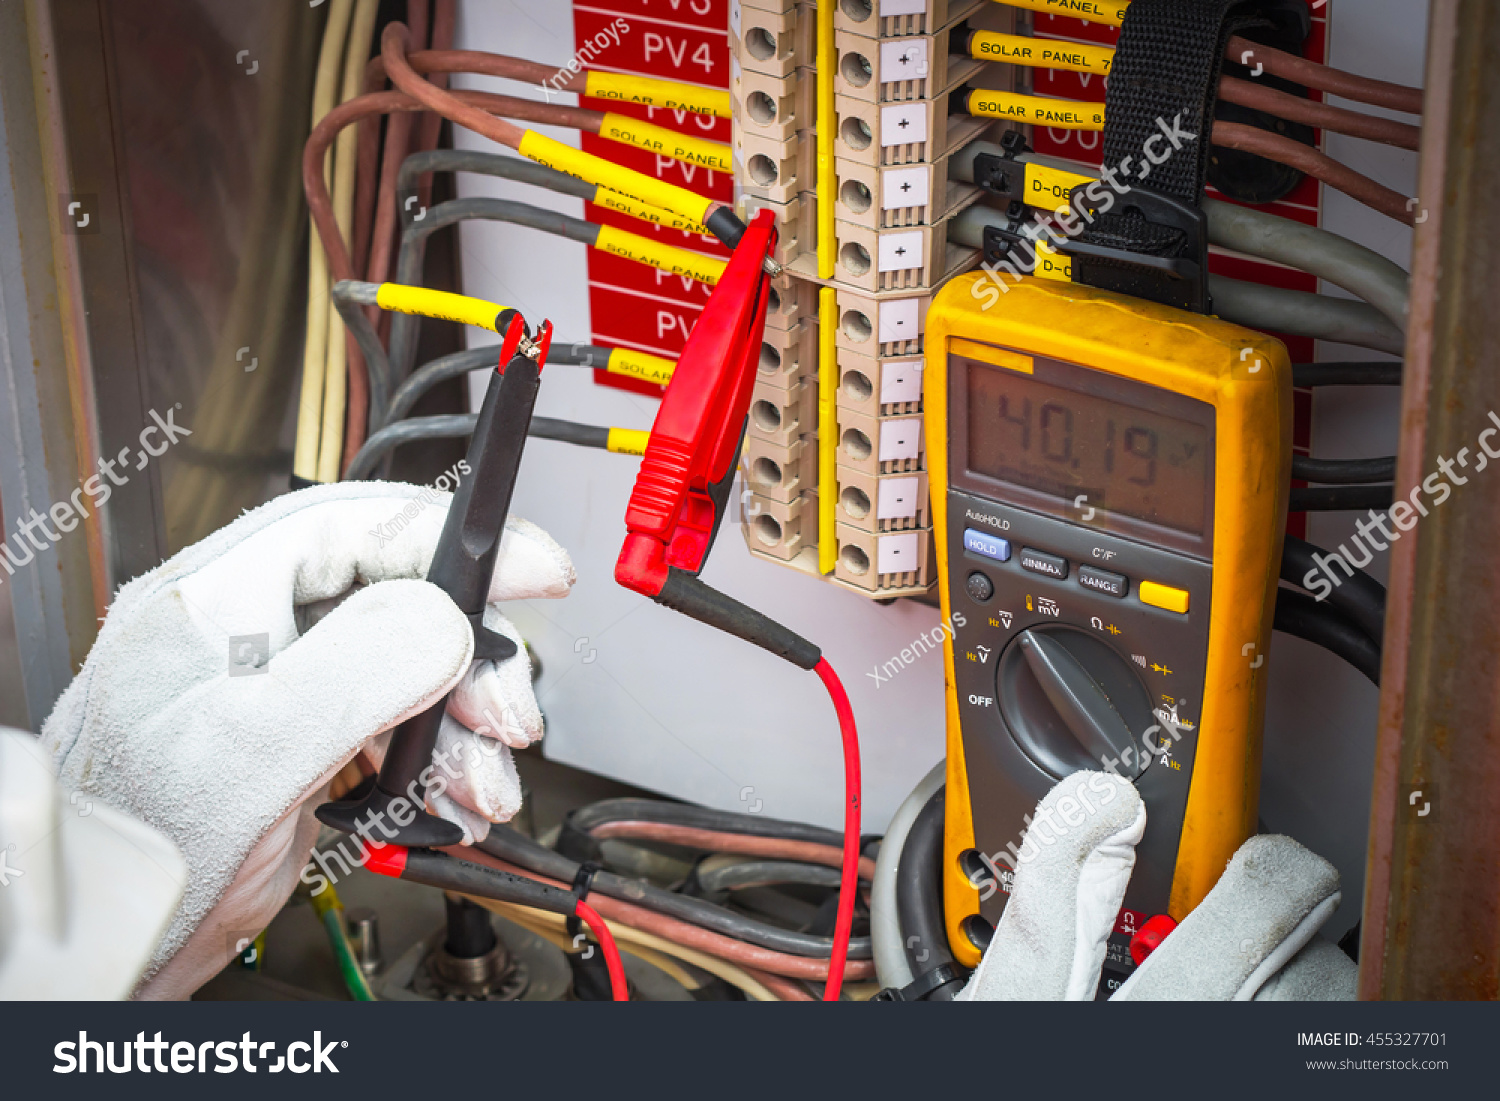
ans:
x=349 y=298
x=413 y=249
x=1356 y=269
x=456 y=425
x=1297 y=313
x=891 y=967
x=484 y=164
x=454 y=364
x=441 y=370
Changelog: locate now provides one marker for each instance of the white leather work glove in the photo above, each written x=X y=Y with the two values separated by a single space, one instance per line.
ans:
x=204 y=711
x=1252 y=937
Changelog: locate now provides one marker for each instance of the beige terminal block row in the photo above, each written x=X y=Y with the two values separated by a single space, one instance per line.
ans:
x=892 y=141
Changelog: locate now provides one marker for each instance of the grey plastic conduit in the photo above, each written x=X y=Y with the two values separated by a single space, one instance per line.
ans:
x=1356 y=269
x=891 y=967
x=1296 y=313
x=414 y=243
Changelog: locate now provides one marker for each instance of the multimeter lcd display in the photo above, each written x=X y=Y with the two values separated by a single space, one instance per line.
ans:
x=1066 y=443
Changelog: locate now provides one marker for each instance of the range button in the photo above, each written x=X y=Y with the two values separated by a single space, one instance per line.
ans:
x=1102 y=581
x=1040 y=562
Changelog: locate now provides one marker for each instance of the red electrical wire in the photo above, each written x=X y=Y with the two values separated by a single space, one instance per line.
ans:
x=607 y=945
x=849 y=877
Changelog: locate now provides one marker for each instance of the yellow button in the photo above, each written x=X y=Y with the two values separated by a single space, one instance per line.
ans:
x=1163 y=596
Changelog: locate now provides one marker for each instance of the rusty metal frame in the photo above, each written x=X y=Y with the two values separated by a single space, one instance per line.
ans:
x=1432 y=896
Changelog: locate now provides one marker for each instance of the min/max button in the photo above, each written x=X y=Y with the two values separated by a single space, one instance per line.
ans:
x=1039 y=562
x=1102 y=581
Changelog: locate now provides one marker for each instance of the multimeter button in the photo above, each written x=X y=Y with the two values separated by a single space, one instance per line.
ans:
x=981 y=588
x=1102 y=581
x=1049 y=564
x=986 y=545
x=1163 y=596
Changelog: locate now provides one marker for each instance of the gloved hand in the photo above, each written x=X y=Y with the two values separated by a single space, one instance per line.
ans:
x=1252 y=937
x=206 y=712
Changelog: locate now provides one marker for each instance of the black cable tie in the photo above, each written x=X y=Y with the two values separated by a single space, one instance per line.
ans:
x=583 y=883
x=923 y=985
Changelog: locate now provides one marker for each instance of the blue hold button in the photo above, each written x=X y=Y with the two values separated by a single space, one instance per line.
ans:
x=986 y=545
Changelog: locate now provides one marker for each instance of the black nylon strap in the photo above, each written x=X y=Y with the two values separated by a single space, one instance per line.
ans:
x=1163 y=82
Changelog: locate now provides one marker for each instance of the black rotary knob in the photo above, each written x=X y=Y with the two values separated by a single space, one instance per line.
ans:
x=1072 y=702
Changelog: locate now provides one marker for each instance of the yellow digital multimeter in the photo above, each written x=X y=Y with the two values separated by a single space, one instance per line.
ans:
x=1109 y=491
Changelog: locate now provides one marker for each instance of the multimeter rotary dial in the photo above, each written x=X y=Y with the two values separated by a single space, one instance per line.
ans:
x=1071 y=702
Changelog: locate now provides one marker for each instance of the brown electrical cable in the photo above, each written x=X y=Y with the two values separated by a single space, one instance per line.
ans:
x=1325 y=78
x=744 y=844
x=394 y=45
x=788 y=990
x=1356 y=124
x=1250 y=139
x=443 y=19
x=681 y=932
x=320 y=206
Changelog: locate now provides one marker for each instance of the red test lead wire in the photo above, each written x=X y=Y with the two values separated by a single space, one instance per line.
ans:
x=849 y=876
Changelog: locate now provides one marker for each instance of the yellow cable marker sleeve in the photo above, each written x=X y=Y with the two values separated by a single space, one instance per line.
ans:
x=1109 y=12
x=596 y=170
x=613 y=200
x=627 y=441
x=668 y=143
x=439 y=304
x=1065 y=114
x=1047 y=188
x=1051 y=264
x=650 y=92
x=1041 y=53
x=828 y=428
x=641 y=365
x=678 y=261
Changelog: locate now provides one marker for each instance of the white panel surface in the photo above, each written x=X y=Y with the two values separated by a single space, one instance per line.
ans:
x=630 y=689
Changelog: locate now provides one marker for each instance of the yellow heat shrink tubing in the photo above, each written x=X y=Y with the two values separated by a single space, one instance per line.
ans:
x=667 y=143
x=1041 y=53
x=1064 y=114
x=624 y=204
x=640 y=365
x=439 y=304
x=596 y=170
x=679 y=261
x=1109 y=12
x=651 y=92
x=628 y=441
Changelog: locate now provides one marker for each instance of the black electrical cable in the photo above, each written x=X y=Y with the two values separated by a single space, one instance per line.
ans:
x=581 y=822
x=1355 y=498
x=1357 y=596
x=1299 y=614
x=456 y=425
x=516 y=848
x=919 y=896
x=1374 y=373
x=763 y=873
x=1343 y=472
x=368 y=340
